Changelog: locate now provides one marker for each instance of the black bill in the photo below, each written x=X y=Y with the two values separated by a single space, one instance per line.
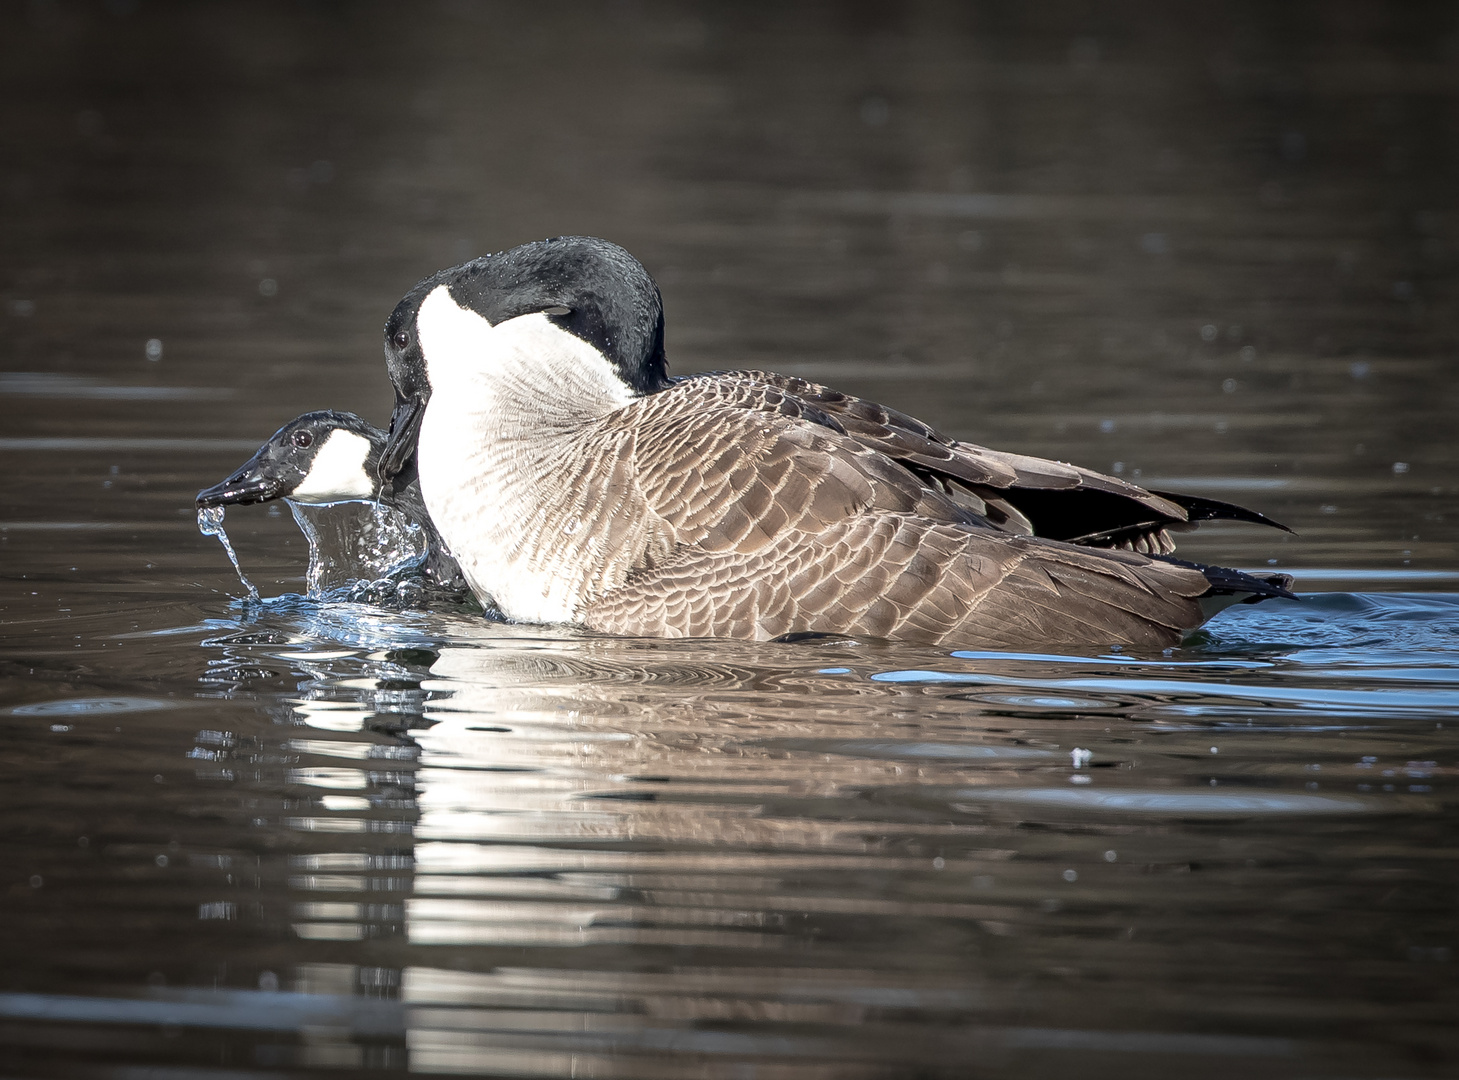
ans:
x=404 y=434
x=257 y=481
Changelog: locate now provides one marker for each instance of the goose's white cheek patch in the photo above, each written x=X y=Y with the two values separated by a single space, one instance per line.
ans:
x=455 y=341
x=337 y=471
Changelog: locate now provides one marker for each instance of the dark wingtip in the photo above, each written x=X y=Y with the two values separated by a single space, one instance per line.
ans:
x=1202 y=509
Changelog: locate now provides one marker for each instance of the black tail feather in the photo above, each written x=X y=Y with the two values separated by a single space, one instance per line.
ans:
x=1252 y=588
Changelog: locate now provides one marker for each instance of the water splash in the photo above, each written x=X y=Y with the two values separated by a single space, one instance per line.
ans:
x=210 y=523
x=350 y=542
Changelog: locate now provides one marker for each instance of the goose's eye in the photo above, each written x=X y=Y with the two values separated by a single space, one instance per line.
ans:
x=303 y=439
x=402 y=339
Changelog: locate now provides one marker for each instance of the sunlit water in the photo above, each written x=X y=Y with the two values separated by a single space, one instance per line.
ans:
x=356 y=550
x=354 y=544
x=426 y=840
x=349 y=830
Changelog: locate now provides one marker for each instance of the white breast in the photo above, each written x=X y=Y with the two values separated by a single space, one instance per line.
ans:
x=507 y=406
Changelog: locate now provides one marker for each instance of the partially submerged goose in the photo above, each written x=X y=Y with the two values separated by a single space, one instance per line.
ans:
x=327 y=457
x=576 y=482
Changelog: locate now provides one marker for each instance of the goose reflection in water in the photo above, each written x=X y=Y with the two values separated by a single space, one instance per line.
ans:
x=600 y=845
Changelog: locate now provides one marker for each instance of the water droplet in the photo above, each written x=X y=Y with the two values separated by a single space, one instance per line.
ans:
x=1071 y=875
x=348 y=546
x=210 y=523
x=154 y=349
x=268 y=287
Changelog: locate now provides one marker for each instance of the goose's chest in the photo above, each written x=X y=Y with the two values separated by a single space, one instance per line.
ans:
x=508 y=454
x=522 y=530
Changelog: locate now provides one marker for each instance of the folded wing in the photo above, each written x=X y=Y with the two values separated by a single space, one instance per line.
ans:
x=1014 y=492
x=773 y=521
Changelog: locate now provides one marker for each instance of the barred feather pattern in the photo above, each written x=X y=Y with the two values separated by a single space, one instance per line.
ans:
x=773 y=525
x=987 y=481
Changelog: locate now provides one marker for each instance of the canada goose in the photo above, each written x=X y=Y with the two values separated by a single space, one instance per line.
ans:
x=576 y=482
x=325 y=457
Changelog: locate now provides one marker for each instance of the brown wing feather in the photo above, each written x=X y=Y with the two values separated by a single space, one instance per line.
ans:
x=774 y=524
x=1016 y=490
x=721 y=476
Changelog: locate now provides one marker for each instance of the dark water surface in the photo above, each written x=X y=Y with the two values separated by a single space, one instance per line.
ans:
x=1211 y=249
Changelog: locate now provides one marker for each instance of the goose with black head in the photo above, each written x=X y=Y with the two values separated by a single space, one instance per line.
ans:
x=576 y=482
x=327 y=457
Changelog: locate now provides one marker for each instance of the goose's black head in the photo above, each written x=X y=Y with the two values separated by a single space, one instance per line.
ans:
x=319 y=457
x=588 y=288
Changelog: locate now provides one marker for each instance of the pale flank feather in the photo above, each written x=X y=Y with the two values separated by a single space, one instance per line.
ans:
x=770 y=524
